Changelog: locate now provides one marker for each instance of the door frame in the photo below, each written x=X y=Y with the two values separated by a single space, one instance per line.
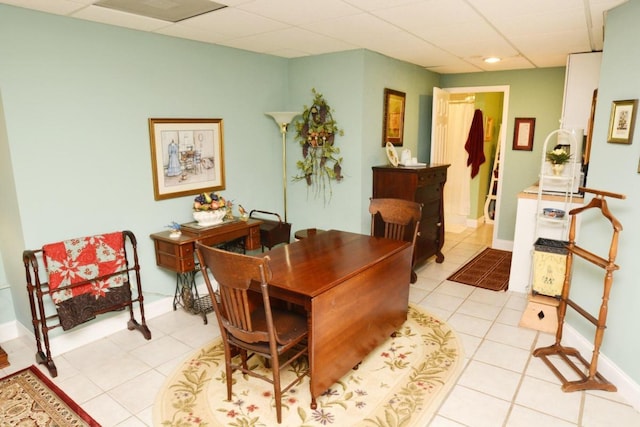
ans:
x=503 y=138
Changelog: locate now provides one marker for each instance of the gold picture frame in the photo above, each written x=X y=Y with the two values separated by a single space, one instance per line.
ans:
x=622 y=121
x=187 y=156
x=393 y=118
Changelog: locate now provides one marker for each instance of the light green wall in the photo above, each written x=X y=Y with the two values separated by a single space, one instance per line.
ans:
x=614 y=168
x=532 y=93
x=76 y=97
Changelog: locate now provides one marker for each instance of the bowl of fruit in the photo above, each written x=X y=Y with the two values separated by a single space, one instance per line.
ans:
x=209 y=209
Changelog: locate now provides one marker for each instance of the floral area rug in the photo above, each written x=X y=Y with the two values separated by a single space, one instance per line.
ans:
x=400 y=383
x=29 y=398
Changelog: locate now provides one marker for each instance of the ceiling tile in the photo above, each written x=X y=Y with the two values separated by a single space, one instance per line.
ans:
x=445 y=36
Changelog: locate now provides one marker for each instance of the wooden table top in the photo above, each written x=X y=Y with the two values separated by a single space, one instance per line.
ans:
x=315 y=264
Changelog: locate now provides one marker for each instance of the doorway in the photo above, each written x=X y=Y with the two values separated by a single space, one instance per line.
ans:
x=447 y=103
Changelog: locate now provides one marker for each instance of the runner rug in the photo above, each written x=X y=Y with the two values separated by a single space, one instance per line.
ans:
x=400 y=383
x=29 y=398
x=489 y=270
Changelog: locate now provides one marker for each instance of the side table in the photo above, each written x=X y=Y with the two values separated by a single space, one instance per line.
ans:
x=177 y=254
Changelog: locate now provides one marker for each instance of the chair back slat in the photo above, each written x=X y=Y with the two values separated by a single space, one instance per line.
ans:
x=248 y=325
x=396 y=219
x=394 y=231
x=234 y=275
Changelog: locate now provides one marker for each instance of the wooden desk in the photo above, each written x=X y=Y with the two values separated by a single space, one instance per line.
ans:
x=178 y=255
x=355 y=289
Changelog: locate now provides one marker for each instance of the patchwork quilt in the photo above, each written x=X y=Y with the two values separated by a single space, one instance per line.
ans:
x=86 y=275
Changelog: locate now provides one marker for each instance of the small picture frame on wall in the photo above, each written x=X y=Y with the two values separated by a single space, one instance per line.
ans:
x=622 y=121
x=523 y=133
x=393 y=119
x=187 y=156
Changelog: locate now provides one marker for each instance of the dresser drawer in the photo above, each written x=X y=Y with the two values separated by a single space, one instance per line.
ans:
x=181 y=265
x=431 y=177
x=177 y=251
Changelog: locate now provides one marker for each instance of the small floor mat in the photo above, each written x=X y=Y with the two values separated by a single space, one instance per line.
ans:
x=489 y=270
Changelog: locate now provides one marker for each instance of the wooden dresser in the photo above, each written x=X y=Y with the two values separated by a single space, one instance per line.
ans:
x=423 y=185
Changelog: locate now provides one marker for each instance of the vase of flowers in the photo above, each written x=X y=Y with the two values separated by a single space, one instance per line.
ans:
x=558 y=157
x=209 y=209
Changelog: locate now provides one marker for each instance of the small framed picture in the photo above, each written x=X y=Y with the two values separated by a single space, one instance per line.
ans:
x=187 y=156
x=523 y=133
x=393 y=120
x=622 y=121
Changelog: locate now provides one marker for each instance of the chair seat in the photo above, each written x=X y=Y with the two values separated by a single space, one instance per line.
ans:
x=289 y=328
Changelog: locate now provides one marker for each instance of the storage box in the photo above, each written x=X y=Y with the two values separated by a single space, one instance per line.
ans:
x=549 y=266
x=541 y=314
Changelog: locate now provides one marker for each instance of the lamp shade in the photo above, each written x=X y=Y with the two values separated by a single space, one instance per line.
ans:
x=283 y=117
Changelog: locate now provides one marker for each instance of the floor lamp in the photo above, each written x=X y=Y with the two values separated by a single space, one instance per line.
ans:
x=283 y=118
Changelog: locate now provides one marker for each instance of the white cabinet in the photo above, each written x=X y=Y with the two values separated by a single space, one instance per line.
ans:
x=526 y=233
x=581 y=79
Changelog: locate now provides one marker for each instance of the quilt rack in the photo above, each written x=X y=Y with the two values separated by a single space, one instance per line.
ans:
x=592 y=379
x=72 y=281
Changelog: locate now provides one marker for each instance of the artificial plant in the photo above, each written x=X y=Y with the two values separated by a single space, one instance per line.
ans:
x=316 y=133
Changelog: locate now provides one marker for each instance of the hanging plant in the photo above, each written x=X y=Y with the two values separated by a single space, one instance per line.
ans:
x=316 y=133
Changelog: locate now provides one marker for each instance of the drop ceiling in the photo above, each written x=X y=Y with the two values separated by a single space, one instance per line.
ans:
x=444 y=36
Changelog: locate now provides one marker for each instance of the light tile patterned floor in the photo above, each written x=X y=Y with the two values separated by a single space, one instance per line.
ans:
x=116 y=378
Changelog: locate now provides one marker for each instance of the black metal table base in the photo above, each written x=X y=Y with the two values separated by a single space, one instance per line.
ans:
x=187 y=297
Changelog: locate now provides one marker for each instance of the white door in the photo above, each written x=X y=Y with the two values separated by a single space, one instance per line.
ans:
x=439 y=120
x=450 y=128
x=440 y=131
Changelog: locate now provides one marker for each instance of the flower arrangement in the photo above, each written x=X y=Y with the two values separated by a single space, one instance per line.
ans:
x=316 y=134
x=558 y=156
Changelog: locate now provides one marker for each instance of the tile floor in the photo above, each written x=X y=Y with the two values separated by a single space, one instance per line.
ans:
x=116 y=378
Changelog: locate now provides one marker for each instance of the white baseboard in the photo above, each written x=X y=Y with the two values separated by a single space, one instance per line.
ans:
x=9 y=331
x=505 y=245
x=627 y=388
x=92 y=331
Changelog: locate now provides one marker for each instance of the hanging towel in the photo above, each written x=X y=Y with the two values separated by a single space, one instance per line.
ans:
x=475 y=144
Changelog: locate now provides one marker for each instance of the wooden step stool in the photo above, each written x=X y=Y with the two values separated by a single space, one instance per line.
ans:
x=541 y=314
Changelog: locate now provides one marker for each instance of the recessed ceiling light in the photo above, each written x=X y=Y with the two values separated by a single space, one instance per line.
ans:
x=492 y=59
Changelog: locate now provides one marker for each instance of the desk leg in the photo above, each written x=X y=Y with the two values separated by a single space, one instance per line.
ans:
x=186 y=295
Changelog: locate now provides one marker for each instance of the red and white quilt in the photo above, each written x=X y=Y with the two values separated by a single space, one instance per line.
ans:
x=77 y=260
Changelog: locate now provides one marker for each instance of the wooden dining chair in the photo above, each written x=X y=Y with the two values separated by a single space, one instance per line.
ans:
x=396 y=219
x=250 y=326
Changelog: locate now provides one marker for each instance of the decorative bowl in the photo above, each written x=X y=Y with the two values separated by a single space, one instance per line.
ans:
x=553 y=213
x=207 y=218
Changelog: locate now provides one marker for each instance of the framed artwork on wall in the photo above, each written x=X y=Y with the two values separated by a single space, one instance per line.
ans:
x=622 y=121
x=523 y=133
x=393 y=119
x=187 y=156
